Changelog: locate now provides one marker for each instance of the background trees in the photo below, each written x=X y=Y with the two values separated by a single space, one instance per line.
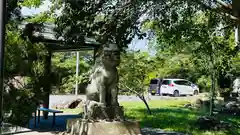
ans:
x=105 y=21
x=64 y=68
x=192 y=42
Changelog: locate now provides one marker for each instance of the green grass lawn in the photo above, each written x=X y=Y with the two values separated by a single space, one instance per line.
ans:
x=170 y=115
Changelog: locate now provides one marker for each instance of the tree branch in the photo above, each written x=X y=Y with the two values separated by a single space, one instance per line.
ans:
x=132 y=90
x=225 y=5
x=227 y=8
x=141 y=97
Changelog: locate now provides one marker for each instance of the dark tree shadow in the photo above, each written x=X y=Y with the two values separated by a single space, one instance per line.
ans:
x=46 y=125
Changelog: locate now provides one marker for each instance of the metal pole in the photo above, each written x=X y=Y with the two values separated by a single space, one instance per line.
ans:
x=94 y=55
x=2 y=43
x=77 y=71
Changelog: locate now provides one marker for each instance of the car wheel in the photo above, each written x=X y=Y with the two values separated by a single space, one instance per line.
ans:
x=176 y=93
x=195 y=92
x=153 y=94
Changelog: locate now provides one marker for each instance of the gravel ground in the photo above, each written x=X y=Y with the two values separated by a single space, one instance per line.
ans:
x=157 y=131
x=145 y=131
x=35 y=133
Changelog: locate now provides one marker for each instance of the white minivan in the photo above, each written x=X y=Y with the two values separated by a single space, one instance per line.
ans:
x=177 y=87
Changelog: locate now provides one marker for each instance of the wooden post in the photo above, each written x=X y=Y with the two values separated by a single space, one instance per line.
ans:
x=77 y=71
x=236 y=8
x=236 y=13
x=2 y=44
x=47 y=82
x=94 y=54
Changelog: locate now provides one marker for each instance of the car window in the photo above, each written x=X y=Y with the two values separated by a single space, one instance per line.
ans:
x=182 y=82
x=188 y=83
x=166 y=82
x=179 y=82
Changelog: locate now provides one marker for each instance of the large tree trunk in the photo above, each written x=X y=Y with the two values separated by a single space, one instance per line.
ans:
x=212 y=96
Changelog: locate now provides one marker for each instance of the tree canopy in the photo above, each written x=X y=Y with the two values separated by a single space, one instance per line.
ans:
x=193 y=41
x=106 y=21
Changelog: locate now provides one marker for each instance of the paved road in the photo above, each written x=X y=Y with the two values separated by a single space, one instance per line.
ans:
x=57 y=99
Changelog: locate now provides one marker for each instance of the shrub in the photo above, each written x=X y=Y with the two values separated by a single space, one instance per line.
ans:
x=204 y=83
x=19 y=104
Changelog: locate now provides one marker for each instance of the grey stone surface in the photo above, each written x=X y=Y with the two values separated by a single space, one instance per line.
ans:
x=12 y=129
x=60 y=99
x=70 y=104
x=157 y=131
x=103 y=82
x=106 y=113
x=83 y=127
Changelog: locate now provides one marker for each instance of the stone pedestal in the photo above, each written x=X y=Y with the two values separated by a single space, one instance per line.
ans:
x=82 y=127
x=110 y=113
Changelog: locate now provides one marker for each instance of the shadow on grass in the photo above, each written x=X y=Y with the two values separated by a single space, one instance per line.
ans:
x=174 y=119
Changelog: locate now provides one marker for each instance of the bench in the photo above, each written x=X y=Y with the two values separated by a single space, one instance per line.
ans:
x=46 y=110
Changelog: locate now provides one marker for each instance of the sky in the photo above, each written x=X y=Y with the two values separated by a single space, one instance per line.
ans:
x=136 y=43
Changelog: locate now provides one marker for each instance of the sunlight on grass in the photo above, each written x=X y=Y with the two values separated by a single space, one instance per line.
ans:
x=154 y=103
x=168 y=115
